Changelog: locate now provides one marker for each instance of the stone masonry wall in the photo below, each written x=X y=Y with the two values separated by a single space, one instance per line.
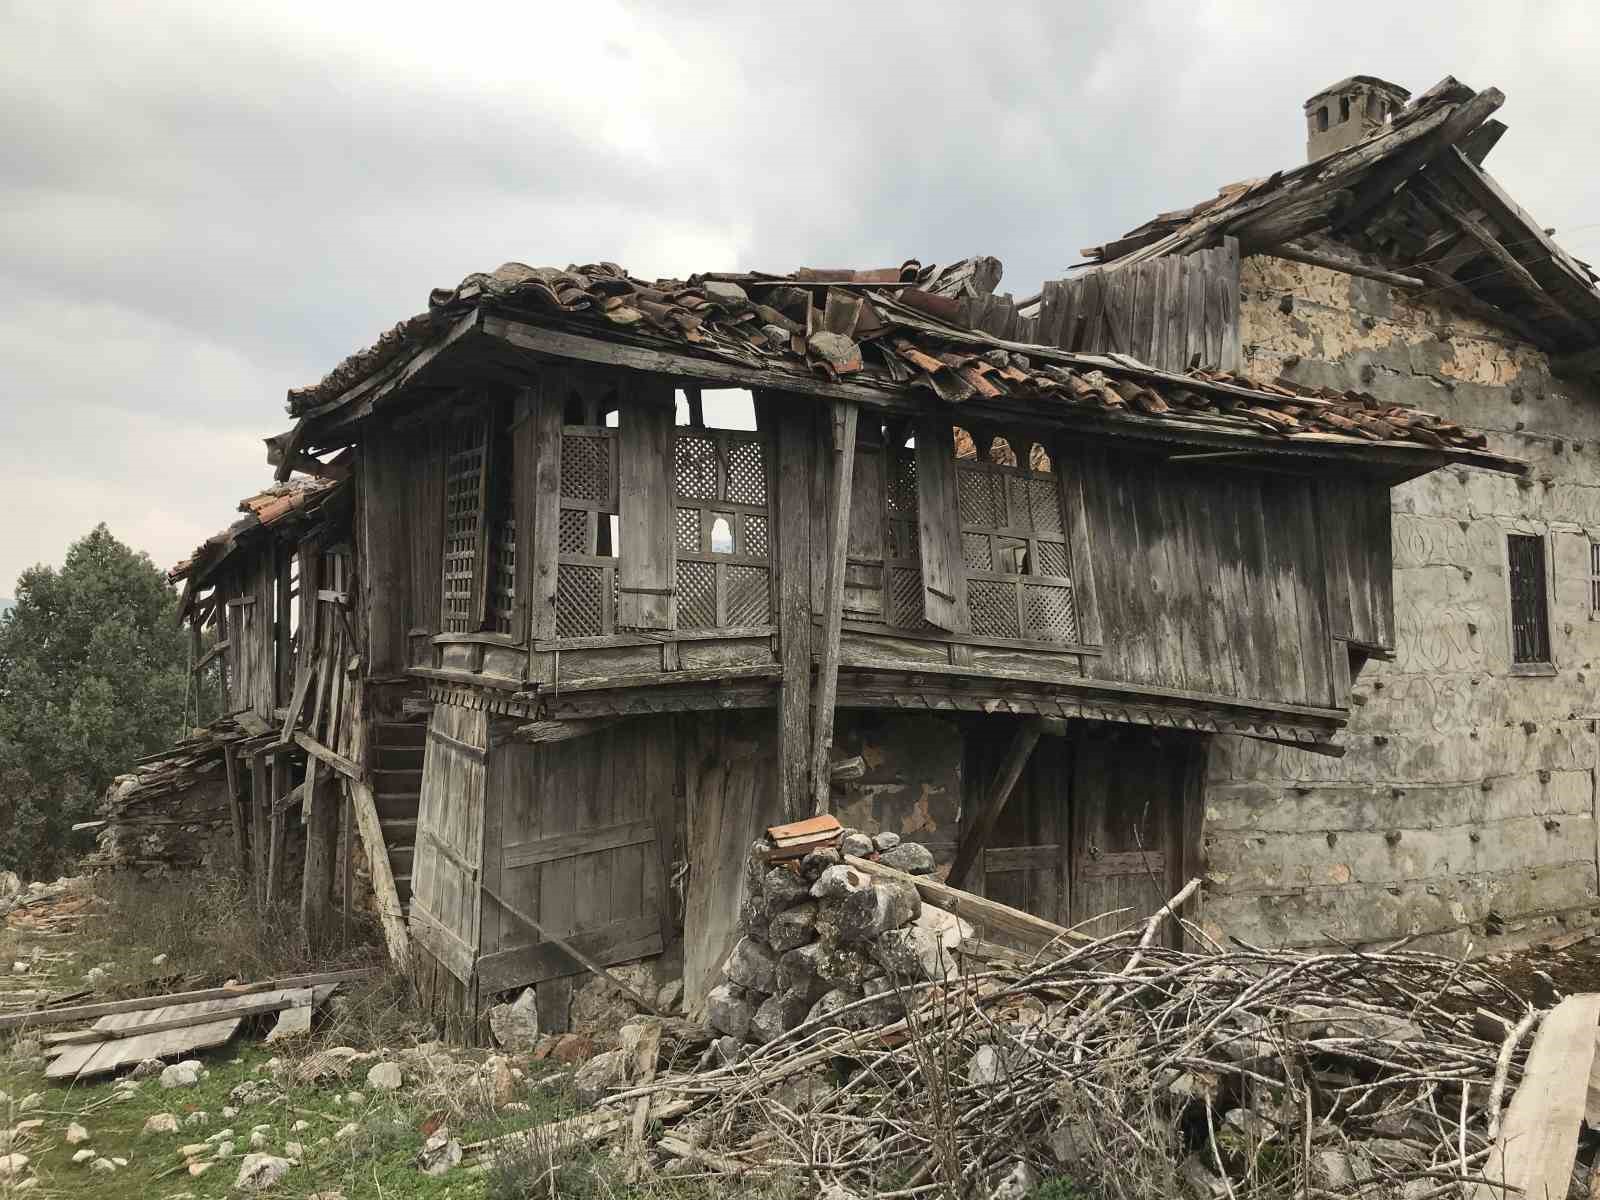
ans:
x=1464 y=809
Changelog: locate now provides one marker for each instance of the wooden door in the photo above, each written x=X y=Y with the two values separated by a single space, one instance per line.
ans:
x=445 y=904
x=580 y=834
x=1026 y=862
x=1128 y=790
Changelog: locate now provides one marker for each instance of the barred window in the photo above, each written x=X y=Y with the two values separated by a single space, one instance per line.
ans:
x=479 y=523
x=1594 y=577
x=722 y=529
x=901 y=541
x=1530 y=612
x=1014 y=548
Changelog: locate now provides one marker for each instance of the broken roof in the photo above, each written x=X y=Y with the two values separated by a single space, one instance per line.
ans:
x=1416 y=195
x=893 y=330
x=301 y=497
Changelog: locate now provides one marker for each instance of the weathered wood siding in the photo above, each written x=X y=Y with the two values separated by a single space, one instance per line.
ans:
x=446 y=864
x=579 y=835
x=1173 y=312
x=1211 y=579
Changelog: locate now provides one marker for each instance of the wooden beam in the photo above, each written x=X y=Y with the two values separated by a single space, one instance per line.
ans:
x=365 y=807
x=1379 y=188
x=1005 y=780
x=1000 y=919
x=558 y=343
x=845 y=416
x=333 y=758
x=322 y=845
x=578 y=955
x=539 y=732
x=1333 y=262
x=104 y=1008
x=793 y=431
x=1533 y=1155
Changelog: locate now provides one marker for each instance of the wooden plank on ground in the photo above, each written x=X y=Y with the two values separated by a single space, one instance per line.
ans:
x=98 y=1059
x=1538 y=1140
x=994 y=917
x=84 y=1012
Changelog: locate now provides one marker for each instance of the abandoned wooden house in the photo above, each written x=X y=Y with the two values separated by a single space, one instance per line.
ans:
x=1464 y=812
x=590 y=579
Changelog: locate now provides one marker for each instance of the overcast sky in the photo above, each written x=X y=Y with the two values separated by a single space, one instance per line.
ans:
x=202 y=205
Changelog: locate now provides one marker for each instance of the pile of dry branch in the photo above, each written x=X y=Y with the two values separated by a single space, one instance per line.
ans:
x=1140 y=1068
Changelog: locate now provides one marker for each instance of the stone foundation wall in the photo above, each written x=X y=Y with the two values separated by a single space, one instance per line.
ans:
x=820 y=937
x=1464 y=809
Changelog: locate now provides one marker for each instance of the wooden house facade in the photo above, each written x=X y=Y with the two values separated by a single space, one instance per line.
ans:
x=597 y=642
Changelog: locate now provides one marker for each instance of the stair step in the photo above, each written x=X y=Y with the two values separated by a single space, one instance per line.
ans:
x=401 y=733
x=398 y=778
x=399 y=758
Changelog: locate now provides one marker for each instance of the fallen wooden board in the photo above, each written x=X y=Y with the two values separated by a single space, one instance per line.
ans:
x=174 y=1029
x=992 y=916
x=179 y=1016
x=1538 y=1140
x=582 y=1129
x=83 y=1012
x=78 y=1062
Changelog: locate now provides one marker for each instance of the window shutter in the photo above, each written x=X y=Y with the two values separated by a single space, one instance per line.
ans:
x=645 y=567
x=464 y=526
x=944 y=592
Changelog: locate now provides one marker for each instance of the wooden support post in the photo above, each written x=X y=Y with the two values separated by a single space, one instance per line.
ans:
x=1005 y=780
x=845 y=413
x=792 y=431
x=278 y=825
x=235 y=816
x=347 y=850
x=322 y=832
x=259 y=805
x=365 y=808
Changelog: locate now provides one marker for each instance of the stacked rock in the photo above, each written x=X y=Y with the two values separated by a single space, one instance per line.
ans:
x=820 y=935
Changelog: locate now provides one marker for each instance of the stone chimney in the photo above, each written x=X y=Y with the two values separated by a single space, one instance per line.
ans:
x=1350 y=111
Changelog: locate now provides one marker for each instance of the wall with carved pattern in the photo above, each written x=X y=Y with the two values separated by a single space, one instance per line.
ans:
x=1464 y=811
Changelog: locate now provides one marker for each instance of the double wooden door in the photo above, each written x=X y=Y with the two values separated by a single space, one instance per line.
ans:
x=1103 y=824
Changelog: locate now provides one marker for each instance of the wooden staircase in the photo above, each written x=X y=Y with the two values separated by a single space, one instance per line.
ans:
x=397 y=785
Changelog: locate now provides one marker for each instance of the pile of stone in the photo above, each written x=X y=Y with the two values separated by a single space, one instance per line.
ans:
x=822 y=939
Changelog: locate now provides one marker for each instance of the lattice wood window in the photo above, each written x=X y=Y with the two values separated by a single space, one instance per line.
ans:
x=1014 y=546
x=586 y=574
x=902 y=566
x=722 y=529
x=465 y=491
x=500 y=511
x=1530 y=613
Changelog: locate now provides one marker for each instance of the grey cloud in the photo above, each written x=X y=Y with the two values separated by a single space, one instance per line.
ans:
x=204 y=205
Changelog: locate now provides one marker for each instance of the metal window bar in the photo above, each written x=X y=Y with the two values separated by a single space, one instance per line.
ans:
x=722 y=475
x=1594 y=577
x=1530 y=616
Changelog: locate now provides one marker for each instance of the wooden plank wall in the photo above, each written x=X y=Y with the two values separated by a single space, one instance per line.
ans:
x=731 y=780
x=447 y=860
x=1211 y=579
x=1172 y=313
x=1353 y=517
x=580 y=836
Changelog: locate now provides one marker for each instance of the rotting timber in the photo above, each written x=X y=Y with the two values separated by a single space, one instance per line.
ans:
x=556 y=649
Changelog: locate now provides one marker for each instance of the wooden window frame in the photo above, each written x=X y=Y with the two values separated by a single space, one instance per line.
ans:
x=595 y=510
x=1527 y=661
x=703 y=512
x=495 y=534
x=1017 y=582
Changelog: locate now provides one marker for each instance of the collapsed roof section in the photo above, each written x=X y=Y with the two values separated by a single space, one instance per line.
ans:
x=892 y=337
x=1415 y=195
x=278 y=508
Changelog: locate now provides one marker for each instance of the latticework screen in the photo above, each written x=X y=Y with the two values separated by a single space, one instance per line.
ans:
x=1014 y=546
x=586 y=571
x=722 y=530
x=464 y=488
x=902 y=600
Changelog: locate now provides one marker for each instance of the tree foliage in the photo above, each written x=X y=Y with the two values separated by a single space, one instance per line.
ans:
x=93 y=672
